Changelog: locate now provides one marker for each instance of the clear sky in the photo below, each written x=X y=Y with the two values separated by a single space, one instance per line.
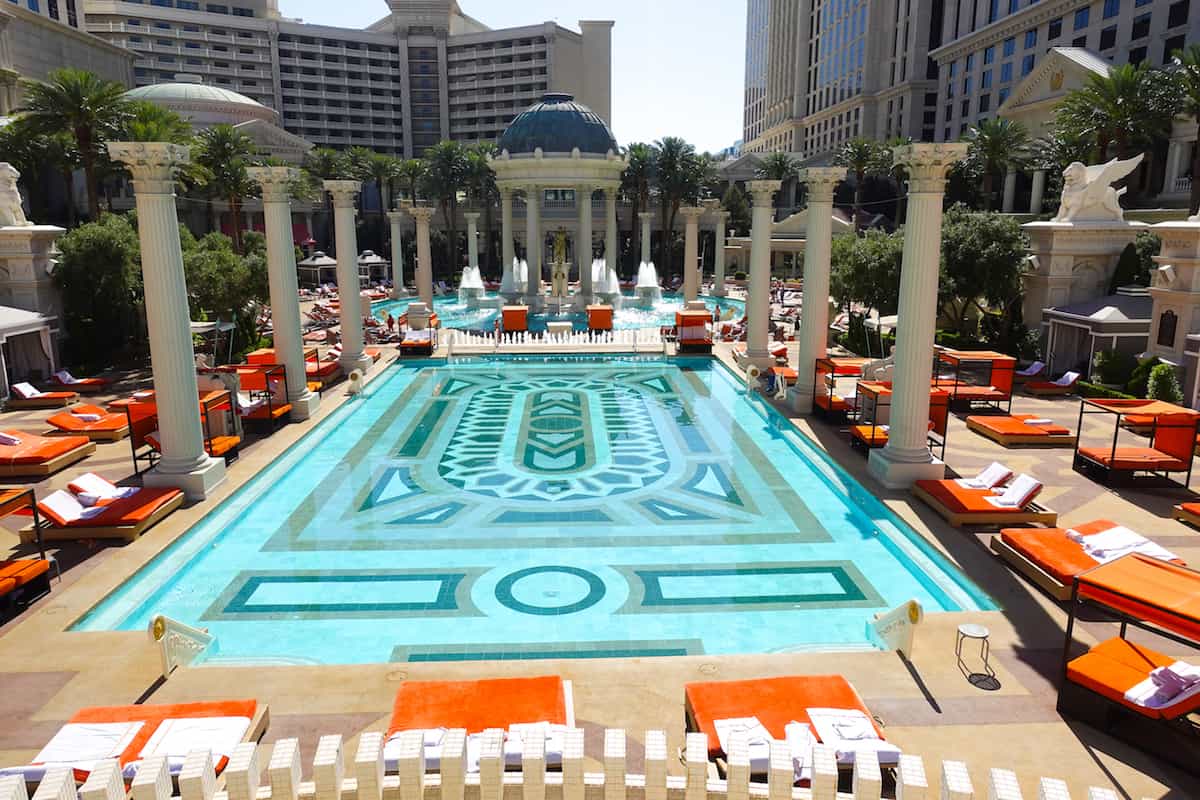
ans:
x=678 y=65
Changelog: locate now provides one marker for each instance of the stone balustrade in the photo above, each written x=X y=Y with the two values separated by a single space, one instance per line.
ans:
x=621 y=341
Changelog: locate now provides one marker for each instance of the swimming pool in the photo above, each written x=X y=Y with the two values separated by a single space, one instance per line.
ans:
x=454 y=314
x=541 y=507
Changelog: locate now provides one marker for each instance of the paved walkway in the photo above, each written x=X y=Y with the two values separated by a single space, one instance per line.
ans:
x=928 y=706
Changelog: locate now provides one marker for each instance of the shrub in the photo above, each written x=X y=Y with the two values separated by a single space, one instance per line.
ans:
x=1084 y=389
x=1164 y=385
x=1139 y=380
x=1113 y=367
x=855 y=339
x=739 y=276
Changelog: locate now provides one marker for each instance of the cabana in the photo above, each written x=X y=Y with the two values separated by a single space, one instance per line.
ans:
x=829 y=401
x=976 y=377
x=600 y=317
x=263 y=393
x=317 y=372
x=220 y=434
x=875 y=399
x=1172 y=441
x=1110 y=686
x=1022 y=430
x=26 y=579
x=317 y=270
x=693 y=331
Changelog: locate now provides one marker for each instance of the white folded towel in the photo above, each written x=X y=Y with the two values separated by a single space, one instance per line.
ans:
x=1039 y=421
x=9 y=439
x=850 y=731
x=800 y=742
x=1149 y=694
x=86 y=417
x=995 y=474
x=757 y=737
x=1114 y=543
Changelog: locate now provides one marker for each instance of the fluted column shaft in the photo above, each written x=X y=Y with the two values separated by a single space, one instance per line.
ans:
x=758 y=309
x=1010 y=191
x=184 y=461
x=1037 y=191
x=644 y=217
x=719 y=255
x=349 y=292
x=533 y=236
x=281 y=274
x=611 y=256
x=906 y=457
x=423 y=216
x=691 y=252
x=506 y=228
x=396 y=218
x=583 y=242
x=472 y=239
x=814 y=322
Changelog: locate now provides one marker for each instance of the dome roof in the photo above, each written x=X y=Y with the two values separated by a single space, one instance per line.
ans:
x=167 y=93
x=558 y=125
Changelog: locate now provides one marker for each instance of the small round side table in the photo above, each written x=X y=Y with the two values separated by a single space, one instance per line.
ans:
x=980 y=633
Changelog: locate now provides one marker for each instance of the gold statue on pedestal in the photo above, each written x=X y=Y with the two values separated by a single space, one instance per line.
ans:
x=558 y=270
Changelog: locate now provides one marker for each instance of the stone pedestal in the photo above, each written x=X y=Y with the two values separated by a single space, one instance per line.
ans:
x=281 y=273
x=906 y=458
x=691 y=252
x=184 y=462
x=814 y=322
x=1072 y=262
x=1175 y=289
x=758 y=305
x=25 y=280
x=349 y=292
x=396 y=218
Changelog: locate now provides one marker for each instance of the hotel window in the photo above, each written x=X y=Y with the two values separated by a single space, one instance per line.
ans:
x=1108 y=38
x=1031 y=38
x=1172 y=46
x=1055 y=29
x=985 y=103
x=1141 y=27
x=1137 y=55
x=1003 y=95
x=1111 y=8
x=1079 y=41
x=1082 y=18
x=985 y=80
x=1177 y=14
x=1010 y=46
x=33 y=6
x=1026 y=65
x=989 y=54
x=967 y=85
x=1006 y=72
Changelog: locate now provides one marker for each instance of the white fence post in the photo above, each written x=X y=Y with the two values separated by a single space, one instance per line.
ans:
x=368 y=766
x=104 y=782
x=824 y=773
x=283 y=770
x=152 y=781
x=1052 y=789
x=242 y=772
x=12 y=787
x=57 y=784
x=614 y=764
x=956 y=781
x=1003 y=785
x=328 y=768
x=197 y=778
x=452 y=764
x=911 y=783
x=491 y=764
x=781 y=773
x=696 y=767
x=411 y=765
x=656 y=765
x=737 y=777
x=573 y=786
x=533 y=767
x=868 y=780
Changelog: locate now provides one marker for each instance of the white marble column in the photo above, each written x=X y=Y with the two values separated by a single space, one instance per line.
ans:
x=814 y=322
x=396 y=218
x=583 y=241
x=533 y=242
x=906 y=458
x=611 y=251
x=645 y=217
x=1037 y=191
x=1010 y=191
x=349 y=292
x=423 y=215
x=691 y=251
x=281 y=273
x=1174 y=165
x=506 y=229
x=308 y=224
x=472 y=218
x=758 y=305
x=184 y=462
x=719 y=255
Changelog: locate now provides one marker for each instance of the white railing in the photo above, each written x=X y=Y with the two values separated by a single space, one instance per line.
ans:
x=1183 y=185
x=368 y=780
x=644 y=340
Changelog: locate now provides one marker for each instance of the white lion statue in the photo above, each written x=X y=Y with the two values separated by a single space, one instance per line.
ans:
x=11 y=214
x=1088 y=194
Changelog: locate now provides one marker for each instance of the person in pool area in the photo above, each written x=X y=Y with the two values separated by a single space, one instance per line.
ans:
x=391 y=323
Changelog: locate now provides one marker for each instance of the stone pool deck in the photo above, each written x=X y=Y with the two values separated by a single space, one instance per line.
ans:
x=928 y=707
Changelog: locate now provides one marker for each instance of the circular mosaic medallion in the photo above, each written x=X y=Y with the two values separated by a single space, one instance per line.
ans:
x=550 y=590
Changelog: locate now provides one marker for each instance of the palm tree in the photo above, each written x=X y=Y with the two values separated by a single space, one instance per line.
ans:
x=87 y=106
x=149 y=122
x=997 y=146
x=445 y=175
x=636 y=181
x=483 y=192
x=225 y=153
x=777 y=167
x=862 y=157
x=325 y=164
x=1188 y=77
x=1123 y=111
x=682 y=175
x=411 y=173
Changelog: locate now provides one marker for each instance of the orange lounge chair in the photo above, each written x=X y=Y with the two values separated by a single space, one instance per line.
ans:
x=869 y=436
x=27 y=455
x=960 y=506
x=775 y=702
x=25 y=395
x=1063 y=385
x=65 y=380
x=476 y=706
x=1048 y=556
x=1032 y=372
x=1187 y=512
x=94 y=422
x=1172 y=446
x=1019 y=430
x=21 y=582
x=132 y=733
x=122 y=517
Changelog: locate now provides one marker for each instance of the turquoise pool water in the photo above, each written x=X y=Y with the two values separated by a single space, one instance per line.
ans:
x=531 y=507
x=454 y=314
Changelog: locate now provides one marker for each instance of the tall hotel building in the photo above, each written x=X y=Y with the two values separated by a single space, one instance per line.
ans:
x=424 y=73
x=821 y=72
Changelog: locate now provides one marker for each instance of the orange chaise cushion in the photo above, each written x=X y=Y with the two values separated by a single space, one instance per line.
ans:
x=870 y=435
x=476 y=706
x=1053 y=551
x=1113 y=667
x=122 y=512
x=68 y=421
x=1133 y=458
x=17 y=573
x=39 y=449
x=1015 y=425
x=774 y=701
x=961 y=500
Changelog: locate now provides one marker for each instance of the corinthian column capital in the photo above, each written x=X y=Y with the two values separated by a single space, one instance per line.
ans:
x=276 y=182
x=822 y=181
x=764 y=192
x=927 y=164
x=343 y=192
x=152 y=164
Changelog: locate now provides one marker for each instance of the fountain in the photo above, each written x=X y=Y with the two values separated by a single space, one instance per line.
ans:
x=470 y=287
x=605 y=283
x=648 y=291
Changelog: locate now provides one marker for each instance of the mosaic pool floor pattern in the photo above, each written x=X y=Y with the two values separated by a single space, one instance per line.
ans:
x=541 y=508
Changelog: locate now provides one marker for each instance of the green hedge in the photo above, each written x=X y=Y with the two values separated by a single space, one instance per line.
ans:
x=1085 y=389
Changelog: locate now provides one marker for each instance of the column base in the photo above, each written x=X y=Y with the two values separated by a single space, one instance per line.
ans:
x=196 y=484
x=305 y=405
x=399 y=293
x=894 y=474
x=361 y=362
x=764 y=360
x=800 y=399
